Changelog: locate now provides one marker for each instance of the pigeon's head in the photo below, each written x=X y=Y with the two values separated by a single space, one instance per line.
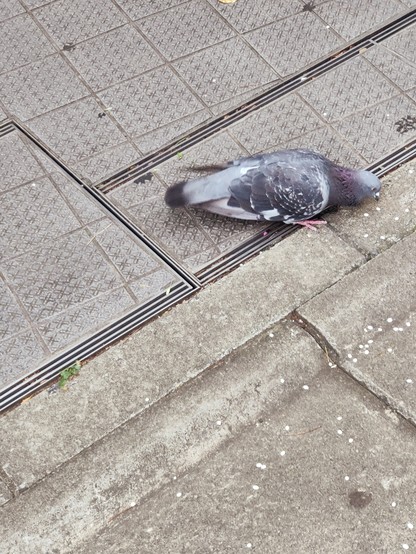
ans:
x=367 y=185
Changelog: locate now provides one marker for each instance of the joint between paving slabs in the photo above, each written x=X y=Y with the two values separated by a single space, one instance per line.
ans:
x=335 y=363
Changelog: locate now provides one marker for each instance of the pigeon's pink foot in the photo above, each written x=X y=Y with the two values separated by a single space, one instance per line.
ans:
x=309 y=223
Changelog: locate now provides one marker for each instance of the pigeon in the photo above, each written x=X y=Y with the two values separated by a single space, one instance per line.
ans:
x=290 y=186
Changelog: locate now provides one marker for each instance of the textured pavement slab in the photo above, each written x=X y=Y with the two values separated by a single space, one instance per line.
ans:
x=371 y=324
x=329 y=471
x=63 y=273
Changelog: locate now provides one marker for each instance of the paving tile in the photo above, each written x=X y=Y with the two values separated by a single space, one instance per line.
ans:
x=224 y=71
x=75 y=197
x=31 y=4
x=195 y=20
x=19 y=354
x=2 y=115
x=137 y=190
x=412 y=94
x=27 y=209
x=175 y=231
x=114 y=56
x=351 y=87
x=172 y=131
x=376 y=131
x=22 y=42
x=9 y=8
x=75 y=131
x=153 y=284
x=72 y=267
x=225 y=233
x=281 y=121
x=17 y=164
x=12 y=320
x=240 y=100
x=128 y=255
x=246 y=16
x=84 y=20
x=326 y=141
x=106 y=163
x=136 y=10
x=395 y=58
x=375 y=307
x=293 y=43
x=86 y=318
x=30 y=91
x=150 y=101
x=351 y=18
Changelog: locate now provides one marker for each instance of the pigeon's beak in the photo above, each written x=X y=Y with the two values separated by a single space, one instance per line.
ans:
x=377 y=196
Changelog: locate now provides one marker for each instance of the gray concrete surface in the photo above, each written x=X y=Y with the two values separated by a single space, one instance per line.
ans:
x=371 y=324
x=317 y=490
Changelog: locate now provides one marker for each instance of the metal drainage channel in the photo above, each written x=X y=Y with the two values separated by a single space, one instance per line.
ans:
x=15 y=393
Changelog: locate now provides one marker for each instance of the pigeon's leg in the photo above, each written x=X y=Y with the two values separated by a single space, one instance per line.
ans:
x=309 y=223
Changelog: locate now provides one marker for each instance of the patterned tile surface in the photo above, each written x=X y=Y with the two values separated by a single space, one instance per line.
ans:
x=9 y=8
x=283 y=120
x=77 y=131
x=30 y=91
x=251 y=14
x=107 y=162
x=195 y=20
x=351 y=18
x=111 y=57
x=224 y=70
x=396 y=58
x=380 y=129
x=67 y=268
x=305 y=37
x=150 y=101
x=21 y=42
x=136 y=9
x=347 y=89
x=17 y=163
x=83 y=20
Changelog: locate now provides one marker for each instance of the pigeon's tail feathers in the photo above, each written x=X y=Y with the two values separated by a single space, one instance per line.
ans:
x=200 y=191
x=174 y=196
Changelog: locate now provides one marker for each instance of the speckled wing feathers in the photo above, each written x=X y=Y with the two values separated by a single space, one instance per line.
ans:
x=283 y=191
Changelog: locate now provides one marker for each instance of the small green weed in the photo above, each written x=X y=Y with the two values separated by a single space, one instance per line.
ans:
x=68 y=373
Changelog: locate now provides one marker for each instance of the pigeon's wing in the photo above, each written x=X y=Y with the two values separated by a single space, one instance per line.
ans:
x=282 y=191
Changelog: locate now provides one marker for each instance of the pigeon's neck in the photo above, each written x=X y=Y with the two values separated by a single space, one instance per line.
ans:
x=342 y=189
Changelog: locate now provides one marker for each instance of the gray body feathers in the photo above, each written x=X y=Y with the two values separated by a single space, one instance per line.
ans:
x=288 y=186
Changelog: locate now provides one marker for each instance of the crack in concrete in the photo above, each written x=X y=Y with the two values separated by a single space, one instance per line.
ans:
x=358 y=376
x=9 y=483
